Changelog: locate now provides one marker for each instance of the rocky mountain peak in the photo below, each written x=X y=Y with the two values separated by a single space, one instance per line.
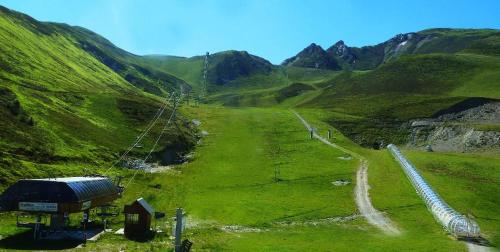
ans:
x=313 y=56
x=339 y=49
x=339 y=43
x=313 y=48
x=402 y=37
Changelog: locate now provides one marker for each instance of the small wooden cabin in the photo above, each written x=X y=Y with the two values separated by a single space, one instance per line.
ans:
x=138 y=217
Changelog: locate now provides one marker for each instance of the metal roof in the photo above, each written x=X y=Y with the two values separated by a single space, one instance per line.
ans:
x=69 y=179
x=59 y=190
x=146 y=206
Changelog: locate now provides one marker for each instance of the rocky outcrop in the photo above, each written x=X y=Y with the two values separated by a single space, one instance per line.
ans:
x=313 y=56
x=469 y=130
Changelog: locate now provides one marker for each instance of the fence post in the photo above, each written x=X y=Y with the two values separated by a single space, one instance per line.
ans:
x=178 y=229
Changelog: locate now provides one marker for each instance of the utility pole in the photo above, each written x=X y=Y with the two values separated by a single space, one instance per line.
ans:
x=277 y=165
x=178 y=229
x=204 y=88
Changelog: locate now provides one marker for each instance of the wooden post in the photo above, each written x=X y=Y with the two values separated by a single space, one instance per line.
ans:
x=36 y=233
x=86 y=216
x=276 y=173
x=178 y=229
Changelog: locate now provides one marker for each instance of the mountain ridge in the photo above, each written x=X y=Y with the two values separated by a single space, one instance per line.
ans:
x=434 y=40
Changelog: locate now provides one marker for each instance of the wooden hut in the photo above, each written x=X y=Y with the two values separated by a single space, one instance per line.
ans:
x=138 y=217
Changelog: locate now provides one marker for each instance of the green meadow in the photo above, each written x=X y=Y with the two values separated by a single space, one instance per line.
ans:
x=235 y=199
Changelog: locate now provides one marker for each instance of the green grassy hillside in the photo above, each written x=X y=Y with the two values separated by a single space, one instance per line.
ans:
x=70 y=102
x=228 y=69
x=234 y=203
x=83 y=47
x=188 y=69
x=340 y=55
x=60 y=104
x=412 y=86
x=413 y=81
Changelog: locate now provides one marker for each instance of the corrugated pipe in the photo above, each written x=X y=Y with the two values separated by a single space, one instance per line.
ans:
x=456 y=223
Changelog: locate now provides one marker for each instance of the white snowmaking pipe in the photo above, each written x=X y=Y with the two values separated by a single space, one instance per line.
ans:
x=456 y=223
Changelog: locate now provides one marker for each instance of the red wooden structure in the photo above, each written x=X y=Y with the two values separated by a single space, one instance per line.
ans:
x=138 y=217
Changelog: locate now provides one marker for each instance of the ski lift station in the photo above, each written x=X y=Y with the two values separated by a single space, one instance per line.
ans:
x=59 y=195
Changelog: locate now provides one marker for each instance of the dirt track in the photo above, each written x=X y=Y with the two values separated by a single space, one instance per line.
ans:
x=365 y=207
x=477 y=248
x=372 y=215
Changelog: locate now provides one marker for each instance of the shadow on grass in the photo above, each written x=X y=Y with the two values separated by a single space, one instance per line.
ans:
x=143 y=237
x=477 y=241
x=25 y=241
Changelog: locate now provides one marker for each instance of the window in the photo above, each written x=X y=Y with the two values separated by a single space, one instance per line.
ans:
x=132 y=218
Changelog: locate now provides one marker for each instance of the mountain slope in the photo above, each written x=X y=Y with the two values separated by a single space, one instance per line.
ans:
x=478 y=41
x=423 y=42
x=226 y=69
x=131 y=67
x=409 y=87
x=230 y=65
x=35 y=55
x=59 y=103
x=187 y=69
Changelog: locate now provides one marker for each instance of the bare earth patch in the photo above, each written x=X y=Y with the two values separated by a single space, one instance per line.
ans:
x=372 y=215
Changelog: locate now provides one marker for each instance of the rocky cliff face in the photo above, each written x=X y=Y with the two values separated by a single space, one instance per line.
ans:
x=369 y=57
x=341 y=51
x=465 y=131
x=313 y=56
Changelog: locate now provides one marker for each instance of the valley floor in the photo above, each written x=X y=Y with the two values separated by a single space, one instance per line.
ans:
x=259 y=183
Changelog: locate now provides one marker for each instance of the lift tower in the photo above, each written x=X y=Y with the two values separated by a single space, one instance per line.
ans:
x=204 y=88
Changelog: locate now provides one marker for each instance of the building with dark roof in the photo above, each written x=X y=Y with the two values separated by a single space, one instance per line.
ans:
x=59 y=195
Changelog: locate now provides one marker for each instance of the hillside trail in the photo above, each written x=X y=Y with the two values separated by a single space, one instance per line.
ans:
x=472 y=247
x=362 y=197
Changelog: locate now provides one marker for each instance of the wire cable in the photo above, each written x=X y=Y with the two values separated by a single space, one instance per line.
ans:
x=152 y=122
x=158 y=138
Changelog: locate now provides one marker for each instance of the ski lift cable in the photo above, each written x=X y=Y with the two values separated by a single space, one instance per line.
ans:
x=153 y=121
x=141 y=136
x=146 y=131
x=158 y=138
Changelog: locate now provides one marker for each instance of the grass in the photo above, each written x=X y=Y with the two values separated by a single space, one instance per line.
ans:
x=61 y=104
x=188 y=69
x=231 y=182
x=67 y=108
x=410 y=87
x=421 y=77
x=468 y=182
x=240 y=174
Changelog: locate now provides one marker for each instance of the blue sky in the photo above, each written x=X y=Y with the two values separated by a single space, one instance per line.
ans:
x=273 y=29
